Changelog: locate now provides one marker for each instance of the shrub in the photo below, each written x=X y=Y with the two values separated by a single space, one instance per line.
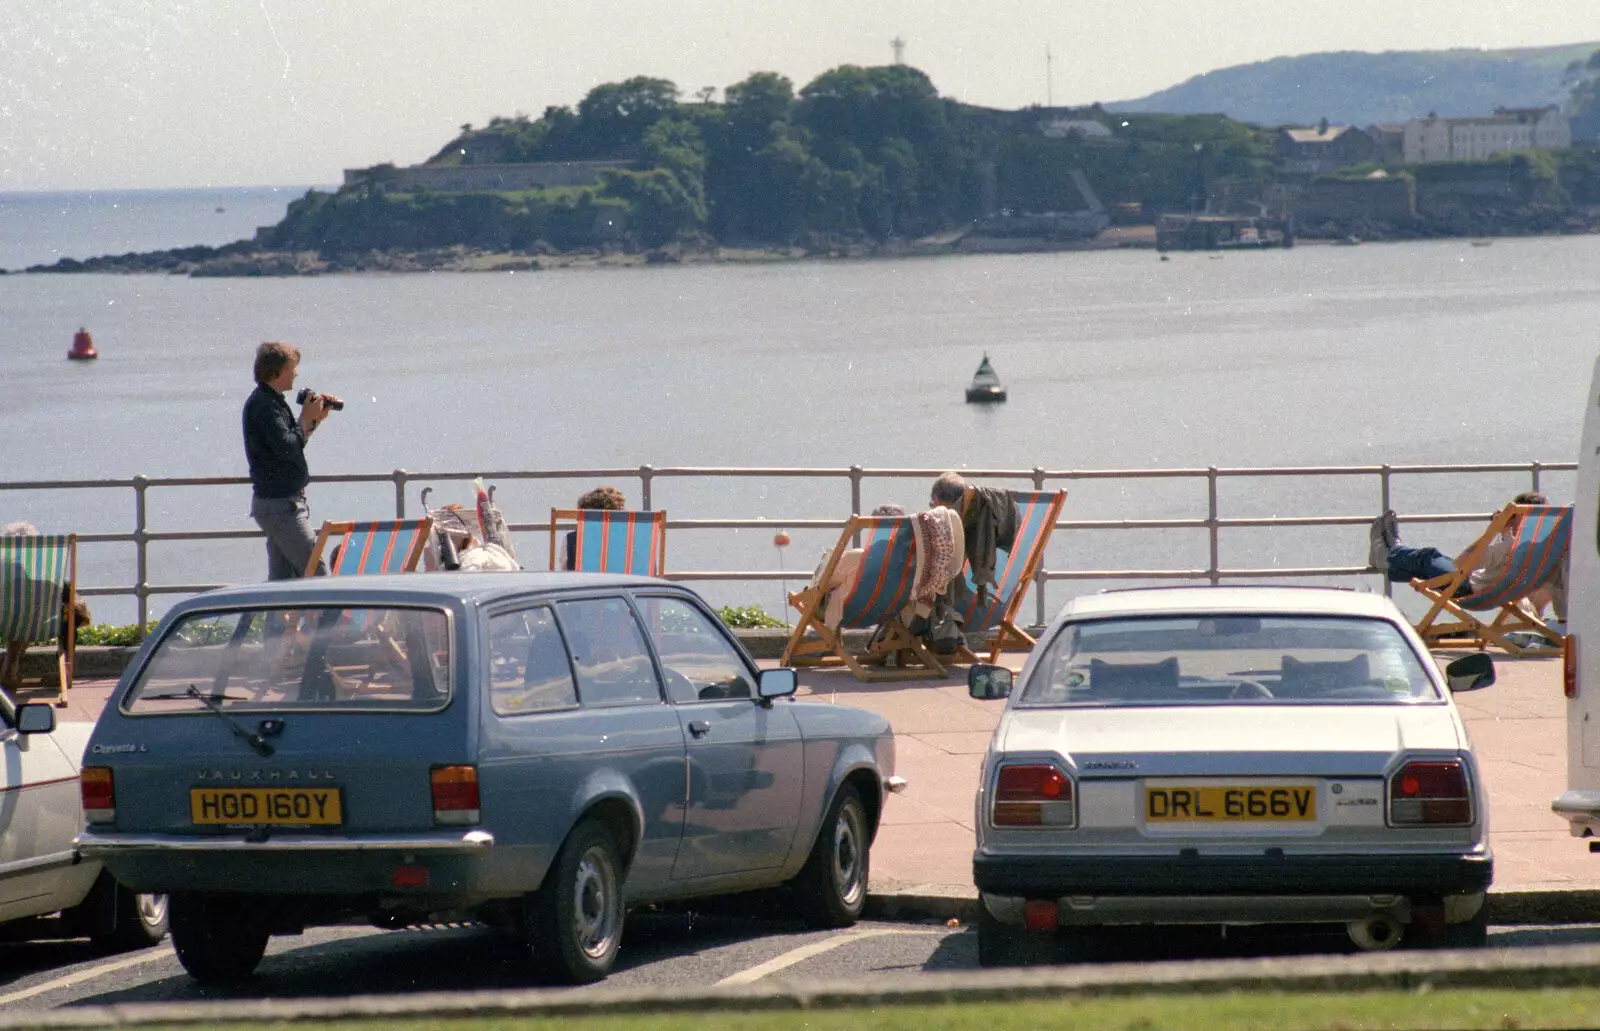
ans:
x=747 y=617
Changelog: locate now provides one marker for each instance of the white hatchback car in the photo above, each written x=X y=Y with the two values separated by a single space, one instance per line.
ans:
x=41 y=811
x=1230 y=755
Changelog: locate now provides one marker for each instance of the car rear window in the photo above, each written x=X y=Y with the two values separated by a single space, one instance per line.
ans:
x=1229 y=660
x=298 y=658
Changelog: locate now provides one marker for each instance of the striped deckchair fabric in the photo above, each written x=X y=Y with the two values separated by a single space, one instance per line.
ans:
x=1543 y=537
x=375 y=546
x=996 y=610
x=38 y=586
x=611 y=540
x=875 y=594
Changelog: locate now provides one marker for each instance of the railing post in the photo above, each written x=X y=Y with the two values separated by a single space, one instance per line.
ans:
x=141 y=562
x=855 y=500
x=1038 y=584
x=646 y=480
x=1211 y=523
x=400 y=494
x=1537 y=468
x=1038 y=478
x=1383 y=506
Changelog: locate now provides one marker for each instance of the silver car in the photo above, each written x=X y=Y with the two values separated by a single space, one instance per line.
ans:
x=1221 y=755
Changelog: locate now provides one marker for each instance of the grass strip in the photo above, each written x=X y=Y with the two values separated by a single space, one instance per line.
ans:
x=1232 y=1011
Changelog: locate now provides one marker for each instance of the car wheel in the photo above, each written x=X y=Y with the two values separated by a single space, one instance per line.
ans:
x=832 y=887
x=141 y=921
x=578 y=915
x=1002 y=945
x=213 y=937
x=1469 y=934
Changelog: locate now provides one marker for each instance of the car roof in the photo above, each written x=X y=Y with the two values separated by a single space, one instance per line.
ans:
x=1255 y=599
x=483 y=588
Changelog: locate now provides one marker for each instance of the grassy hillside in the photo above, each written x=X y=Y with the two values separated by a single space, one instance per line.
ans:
x=1352 y=87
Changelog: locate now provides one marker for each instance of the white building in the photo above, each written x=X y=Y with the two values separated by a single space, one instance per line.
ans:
x=1473 y=139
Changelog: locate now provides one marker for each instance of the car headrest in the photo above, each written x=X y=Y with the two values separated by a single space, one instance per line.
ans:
x=1133 y=680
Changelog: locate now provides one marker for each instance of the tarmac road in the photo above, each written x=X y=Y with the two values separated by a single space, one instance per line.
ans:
x=674 y=949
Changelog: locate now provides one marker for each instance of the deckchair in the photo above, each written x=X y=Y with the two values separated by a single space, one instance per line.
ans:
x=612 y=540
x=879 y=590
x=38 y=594
x=996 y=609
x=375 y=546
x=1542 y=539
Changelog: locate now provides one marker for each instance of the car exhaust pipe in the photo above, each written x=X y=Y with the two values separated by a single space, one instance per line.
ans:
x=1375 y=933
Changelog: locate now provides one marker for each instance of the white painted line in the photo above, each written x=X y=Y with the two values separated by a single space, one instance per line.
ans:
x=89 y=974
x=800 y=955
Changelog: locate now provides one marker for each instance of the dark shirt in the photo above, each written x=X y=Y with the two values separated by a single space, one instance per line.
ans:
x=274 y=445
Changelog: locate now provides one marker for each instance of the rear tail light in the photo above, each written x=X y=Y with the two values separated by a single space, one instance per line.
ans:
x=1033 y=795
x=1569 y=666
x=99 y=794
x=455 y=794
x=1430 y=793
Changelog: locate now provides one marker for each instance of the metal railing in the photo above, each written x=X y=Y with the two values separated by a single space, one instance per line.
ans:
x=1213 y=522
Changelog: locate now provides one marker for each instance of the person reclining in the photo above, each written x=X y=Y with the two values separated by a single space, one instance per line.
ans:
x=1403 y=563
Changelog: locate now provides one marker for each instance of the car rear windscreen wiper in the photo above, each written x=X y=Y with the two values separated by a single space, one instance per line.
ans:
x=250 y=737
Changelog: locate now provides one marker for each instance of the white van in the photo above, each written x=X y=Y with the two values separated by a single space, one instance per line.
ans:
x=1580 y=803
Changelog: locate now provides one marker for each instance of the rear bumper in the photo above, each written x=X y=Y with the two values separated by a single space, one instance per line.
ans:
x=1581 y=809
x=90 y=843
x=1409 y=876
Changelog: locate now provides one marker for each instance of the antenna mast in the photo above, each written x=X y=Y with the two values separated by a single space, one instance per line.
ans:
x=1049 y=78
x=899 y=46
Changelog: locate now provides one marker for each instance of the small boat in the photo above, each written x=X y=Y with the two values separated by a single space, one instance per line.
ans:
x=1483 y=243
x=985 y=387
x=82 y=346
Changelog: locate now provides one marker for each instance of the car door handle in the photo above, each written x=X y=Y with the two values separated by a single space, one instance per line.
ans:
x=699 y=728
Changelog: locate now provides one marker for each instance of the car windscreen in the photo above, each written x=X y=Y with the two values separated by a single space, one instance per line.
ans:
x=1228 y=660
x=328 y=657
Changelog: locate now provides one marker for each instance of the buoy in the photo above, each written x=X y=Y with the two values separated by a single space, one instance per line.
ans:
x=82 y=346
x=781 y=538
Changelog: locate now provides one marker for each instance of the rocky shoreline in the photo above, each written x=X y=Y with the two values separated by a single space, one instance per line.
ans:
x=246 y=259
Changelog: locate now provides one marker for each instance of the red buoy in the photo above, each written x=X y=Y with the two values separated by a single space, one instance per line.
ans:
x=82 y=346
x=781 y=538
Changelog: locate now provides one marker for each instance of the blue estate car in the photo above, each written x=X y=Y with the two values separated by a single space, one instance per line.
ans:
x=536 y=751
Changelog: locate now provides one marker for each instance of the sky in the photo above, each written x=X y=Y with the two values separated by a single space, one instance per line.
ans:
x=120 y=94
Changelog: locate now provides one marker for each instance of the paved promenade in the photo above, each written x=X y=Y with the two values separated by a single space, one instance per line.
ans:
x=925 y=845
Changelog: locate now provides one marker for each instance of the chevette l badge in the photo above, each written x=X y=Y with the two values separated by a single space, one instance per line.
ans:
x=116 y=749
x=264 y=776
x=1111 y=764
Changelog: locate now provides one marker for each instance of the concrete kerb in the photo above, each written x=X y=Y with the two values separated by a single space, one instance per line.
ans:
x=1532 y=968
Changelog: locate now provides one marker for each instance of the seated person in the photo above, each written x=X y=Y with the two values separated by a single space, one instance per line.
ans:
x=989 y=520
x=602 y=497
x=1404 y=563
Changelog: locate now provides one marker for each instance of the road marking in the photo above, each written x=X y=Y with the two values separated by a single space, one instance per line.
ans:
x=800 y=955
x=89 y=974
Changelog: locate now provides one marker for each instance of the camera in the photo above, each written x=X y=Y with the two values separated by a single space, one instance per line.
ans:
x=306 y=394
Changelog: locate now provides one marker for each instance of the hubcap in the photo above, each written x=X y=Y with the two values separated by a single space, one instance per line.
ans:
x=595 y=905
x=152 y=909
x=847 y=854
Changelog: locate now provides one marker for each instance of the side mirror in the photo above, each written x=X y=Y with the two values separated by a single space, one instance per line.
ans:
x=36 y=718
x=1470 y=672
x=987 y=682
x=777 y=683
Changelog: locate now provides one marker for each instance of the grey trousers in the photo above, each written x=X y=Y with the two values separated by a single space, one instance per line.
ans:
x=286 y=522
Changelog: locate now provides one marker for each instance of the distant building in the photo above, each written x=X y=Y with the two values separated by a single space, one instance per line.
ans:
x=540 y=175
x=1390 y=139
x=1088 y=128
x=1322 y=149
x=1432 y=139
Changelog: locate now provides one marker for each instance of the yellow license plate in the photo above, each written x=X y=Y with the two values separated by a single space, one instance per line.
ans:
x=1262 y=803
x=265 y=805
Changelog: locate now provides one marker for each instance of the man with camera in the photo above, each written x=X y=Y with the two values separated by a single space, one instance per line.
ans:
x=274 y=445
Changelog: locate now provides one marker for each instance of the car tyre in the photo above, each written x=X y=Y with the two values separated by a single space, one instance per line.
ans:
x=213 y=937
x=1470 y=934
x=577 y=917
x=1002 y=945
x=140 y=921
x=831 y=888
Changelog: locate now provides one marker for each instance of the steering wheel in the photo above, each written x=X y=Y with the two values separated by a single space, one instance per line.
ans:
x=1249 y=690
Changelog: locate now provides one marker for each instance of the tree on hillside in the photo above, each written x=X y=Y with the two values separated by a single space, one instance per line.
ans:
x=616 y=115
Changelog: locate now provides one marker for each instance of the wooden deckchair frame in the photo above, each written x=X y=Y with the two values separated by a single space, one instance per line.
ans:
x=827 y=648
x=1006 y=630
x=1464 y=628
x=67 y=628
x=421 y=530
x=656 y=519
